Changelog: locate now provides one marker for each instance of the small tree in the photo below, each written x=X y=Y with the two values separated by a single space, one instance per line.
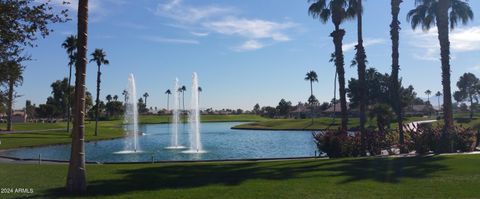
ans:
x=468 y=85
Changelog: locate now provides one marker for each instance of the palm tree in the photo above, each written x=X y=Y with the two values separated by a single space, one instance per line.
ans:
x=70 y=45
x=182 y=90
x=339 y=11
x=115 y=97
x=428 y=93
x=311 y=77
x=438 y=94
x=99 y=57
x=125 y=96
x=445 y=14
x=76 y=179
x=360 y=59
x=108 y=98
x=146 y=95
x=199 y=91
x=395 y=82
x=168 y=92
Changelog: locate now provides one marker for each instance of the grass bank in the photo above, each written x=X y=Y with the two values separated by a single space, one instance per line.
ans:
x=107 y=130
x=428 y=177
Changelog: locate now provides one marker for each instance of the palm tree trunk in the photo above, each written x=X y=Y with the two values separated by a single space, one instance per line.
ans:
x=361 y=56
x=471 y=107
x=443 y=37
x=335 y=96
x=311 y=104
x=76 y=178
x=339 y=63
x=11 y=85
x=97 y=108
x=395 y=87
x=69 y=97
x=168 y=102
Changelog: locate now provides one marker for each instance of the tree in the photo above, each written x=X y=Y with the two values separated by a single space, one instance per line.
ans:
x=76 y=178
x=142 y=108
x=199 y=91
x=182 y=90
x=395 y=81
x=12 y=71
x=445 y=14
x=284 y=107
x=428 y=93
x=60 y=96
x=99 y=57
x=115 y=98
x=125 y=96
x=384 y=115
x=70 y=45
x=108 y=98
x=146 y=95
x=339 y=11
x=360 y=59
x=256 y=109
x=115 y=109
x=168 y=92
x=438 y=94
x=468 y=85
x=311 y=77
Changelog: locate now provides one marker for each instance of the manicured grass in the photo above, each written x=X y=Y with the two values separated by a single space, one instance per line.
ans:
x=419 y=177
x=156 y=119
x=306 y=124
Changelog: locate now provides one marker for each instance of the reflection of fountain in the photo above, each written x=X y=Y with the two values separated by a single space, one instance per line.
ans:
x=194 y=119
x=175 y=118
x=131 y=119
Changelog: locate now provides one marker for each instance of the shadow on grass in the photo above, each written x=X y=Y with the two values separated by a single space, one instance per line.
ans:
x=184 y=176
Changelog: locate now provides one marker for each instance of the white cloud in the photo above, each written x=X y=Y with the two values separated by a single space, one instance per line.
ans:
x=200 y=34
x=171 y=40
x=475 y=68
x=428 y=47
x=249 y=45
x=175 y=10
x=251 y=28
x=366 y=42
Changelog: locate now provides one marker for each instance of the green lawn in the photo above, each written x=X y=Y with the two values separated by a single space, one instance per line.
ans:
x=429 y=177
x=306 y=124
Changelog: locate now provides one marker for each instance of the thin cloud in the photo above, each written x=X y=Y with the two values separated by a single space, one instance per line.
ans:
x=427 y=46
x=171 y=40
x=177 y=11
x=200 y=34
x=366 y=42
x=249 y=45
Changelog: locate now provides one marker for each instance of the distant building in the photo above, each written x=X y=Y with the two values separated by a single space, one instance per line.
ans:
x=18 y=116
x=419 y=110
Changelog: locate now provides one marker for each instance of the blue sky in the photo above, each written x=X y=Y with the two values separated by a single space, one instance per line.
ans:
x=244 y=51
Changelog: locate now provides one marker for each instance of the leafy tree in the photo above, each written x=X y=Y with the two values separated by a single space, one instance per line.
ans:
x=384 y=115
x=99 y=57
x=142 y=108
x=108 y=98
x=269 y=111
x=256 y=109
x=30 y=109
x=60 y=96
x=115 y=109
x=445 y=14
x=284 y=107
x=338 y=11
x=468 y=85
x=45 y=111
x=76 y=177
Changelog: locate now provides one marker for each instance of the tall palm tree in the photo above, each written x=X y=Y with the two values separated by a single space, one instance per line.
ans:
x=199 y=91
x=168 y=92
x=182 y=90
x=115 y=97
x=70 y=45
x=395 y=82
x=99 y=57
x=360 y=59
x=445 y=14
x=428 y=93
x=13 y=71
x=339 y=11
x=438 y=94
x=76 y=179
x=125 y=96
x=146 y=95
x=311 y=77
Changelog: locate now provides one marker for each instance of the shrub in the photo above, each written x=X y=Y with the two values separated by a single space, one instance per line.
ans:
x=428 y=138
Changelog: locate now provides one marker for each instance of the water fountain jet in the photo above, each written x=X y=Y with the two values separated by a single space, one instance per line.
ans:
x=175 y=118
x=194 y=119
